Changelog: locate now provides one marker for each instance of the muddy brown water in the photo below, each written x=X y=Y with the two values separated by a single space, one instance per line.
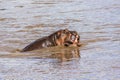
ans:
x=97 y=22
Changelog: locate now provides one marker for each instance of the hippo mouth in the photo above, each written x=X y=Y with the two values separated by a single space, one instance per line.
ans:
x=72 y=41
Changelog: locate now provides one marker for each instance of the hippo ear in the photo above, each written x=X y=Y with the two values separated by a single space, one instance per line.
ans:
x=66 y=30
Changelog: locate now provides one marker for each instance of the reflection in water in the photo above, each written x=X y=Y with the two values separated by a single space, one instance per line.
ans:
x=96 y=21
x=66 y=55
x=60 y=53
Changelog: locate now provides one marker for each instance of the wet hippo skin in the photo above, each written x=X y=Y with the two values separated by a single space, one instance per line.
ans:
x=61 y=37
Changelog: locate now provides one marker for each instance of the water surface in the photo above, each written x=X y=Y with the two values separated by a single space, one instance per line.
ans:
x=96 y=21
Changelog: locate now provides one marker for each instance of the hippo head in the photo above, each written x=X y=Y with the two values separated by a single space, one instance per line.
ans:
x=73 y=39
x=66 y=37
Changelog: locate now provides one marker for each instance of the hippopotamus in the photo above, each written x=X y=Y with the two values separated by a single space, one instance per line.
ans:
x=62 y=37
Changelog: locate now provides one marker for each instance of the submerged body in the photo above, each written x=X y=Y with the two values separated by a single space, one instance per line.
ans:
x=60 y=37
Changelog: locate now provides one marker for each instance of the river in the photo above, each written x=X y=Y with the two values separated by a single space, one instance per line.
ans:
x=96 y=21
